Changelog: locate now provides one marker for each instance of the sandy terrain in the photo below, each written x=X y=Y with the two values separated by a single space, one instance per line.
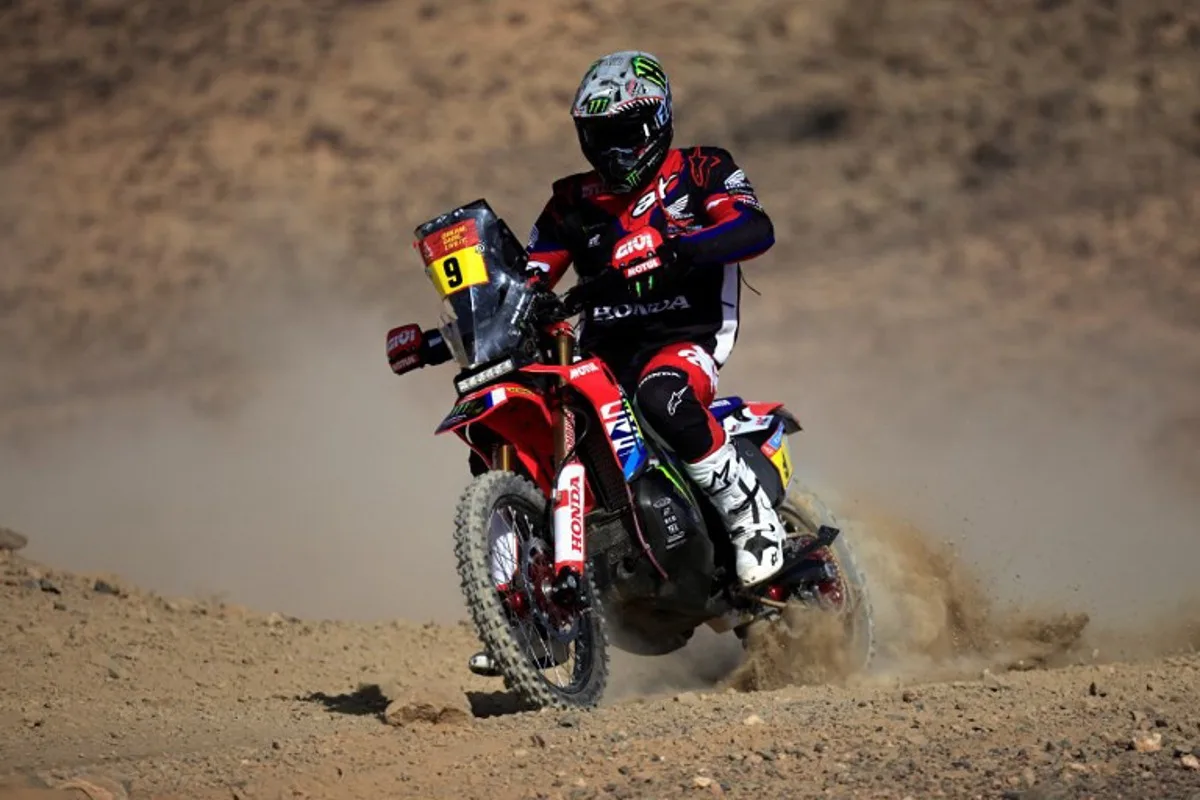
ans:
x=984 y=306
x=188 y=699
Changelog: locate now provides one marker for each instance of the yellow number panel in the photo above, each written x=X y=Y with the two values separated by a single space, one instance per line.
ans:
x=781 y=458
x=457 y=271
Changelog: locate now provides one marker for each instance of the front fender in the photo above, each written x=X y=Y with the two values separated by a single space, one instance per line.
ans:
x=482 y=403
x=511 y=413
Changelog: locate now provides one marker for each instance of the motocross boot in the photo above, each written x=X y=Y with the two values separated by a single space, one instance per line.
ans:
x=754 y=526
x=482 y=663
x=502 y=555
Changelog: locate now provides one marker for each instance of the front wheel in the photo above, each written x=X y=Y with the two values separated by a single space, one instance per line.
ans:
x=550 y=656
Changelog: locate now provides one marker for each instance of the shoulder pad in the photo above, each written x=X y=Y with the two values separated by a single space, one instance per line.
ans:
x=702 y=160
x=571 y=188
x=710 y=151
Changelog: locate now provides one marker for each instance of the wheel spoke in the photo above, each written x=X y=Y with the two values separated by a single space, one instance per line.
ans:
x=529 y=561
x=504 y=551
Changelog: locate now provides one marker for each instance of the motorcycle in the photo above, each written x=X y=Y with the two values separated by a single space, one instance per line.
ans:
x=579 y=528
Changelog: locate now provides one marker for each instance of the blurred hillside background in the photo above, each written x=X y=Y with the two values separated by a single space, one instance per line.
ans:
x=988 y=215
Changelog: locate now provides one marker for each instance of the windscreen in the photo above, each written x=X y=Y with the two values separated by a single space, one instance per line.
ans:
x=475 y=265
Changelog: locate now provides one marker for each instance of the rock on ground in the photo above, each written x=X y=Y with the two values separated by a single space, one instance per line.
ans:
x=11 y=540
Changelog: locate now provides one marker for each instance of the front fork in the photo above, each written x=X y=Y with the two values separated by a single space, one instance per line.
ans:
x=564 y=423
x=570 y=487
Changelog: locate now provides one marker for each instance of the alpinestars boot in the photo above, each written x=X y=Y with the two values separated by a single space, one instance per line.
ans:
x=754 y=526
x=543 y=658
x=502 y=552
x=482 y=663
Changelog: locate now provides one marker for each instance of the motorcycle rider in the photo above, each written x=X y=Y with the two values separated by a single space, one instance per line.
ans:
x=655 y=212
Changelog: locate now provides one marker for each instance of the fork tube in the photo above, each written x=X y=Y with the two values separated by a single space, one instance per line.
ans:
x=564 y=427
x=565 y=348
x=503 y=458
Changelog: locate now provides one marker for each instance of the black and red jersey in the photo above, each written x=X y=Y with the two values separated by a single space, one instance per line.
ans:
x=699 y=196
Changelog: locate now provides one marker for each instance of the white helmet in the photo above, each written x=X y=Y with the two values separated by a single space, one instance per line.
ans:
x=623 y=117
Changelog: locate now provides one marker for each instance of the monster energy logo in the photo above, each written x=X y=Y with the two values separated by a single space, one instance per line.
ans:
x=596 y=105
x=650 y=70
x=674 y=477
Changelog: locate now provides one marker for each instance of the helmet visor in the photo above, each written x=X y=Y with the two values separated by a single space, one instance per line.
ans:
x=627 y=132
x=615 y=144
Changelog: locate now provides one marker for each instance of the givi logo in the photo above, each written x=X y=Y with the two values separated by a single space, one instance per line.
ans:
x=633 y=245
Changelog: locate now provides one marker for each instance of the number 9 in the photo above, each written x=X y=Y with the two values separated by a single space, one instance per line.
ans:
x=454 y=277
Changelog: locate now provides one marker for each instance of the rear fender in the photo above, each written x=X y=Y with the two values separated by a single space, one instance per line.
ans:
x=740 y=417
x=511 y=413
x=766 y=425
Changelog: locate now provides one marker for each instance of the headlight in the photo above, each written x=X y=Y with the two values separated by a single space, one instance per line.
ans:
x=485 y=376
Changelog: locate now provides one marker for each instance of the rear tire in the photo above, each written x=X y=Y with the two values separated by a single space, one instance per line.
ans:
x=494 y=622
x=803 y=513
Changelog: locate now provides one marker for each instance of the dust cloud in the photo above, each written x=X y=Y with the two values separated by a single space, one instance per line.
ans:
x=1024 y=524
x=1011 y=528
x=1050 y=509
x=803 y=647
x=309 y=482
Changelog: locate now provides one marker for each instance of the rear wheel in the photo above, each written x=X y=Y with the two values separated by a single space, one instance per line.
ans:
x=837 y=583
x=550 y=656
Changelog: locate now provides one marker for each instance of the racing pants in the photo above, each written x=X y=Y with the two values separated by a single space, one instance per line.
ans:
x=672 y=389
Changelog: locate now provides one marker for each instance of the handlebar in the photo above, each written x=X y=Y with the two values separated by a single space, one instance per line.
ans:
x=551 y=308
x=576 y=298
x=556 y=308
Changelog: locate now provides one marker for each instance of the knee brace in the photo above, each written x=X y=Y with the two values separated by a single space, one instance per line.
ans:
x=668 y=404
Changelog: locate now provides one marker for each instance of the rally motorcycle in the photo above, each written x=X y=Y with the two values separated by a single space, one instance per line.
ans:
x=579 y=527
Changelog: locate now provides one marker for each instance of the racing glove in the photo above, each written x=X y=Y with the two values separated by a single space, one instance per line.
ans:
x=409 y=348
x=645 y=258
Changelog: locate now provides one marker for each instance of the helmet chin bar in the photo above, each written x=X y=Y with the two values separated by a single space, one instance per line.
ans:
x=641 y=170
x=639 y=146
x=621 y=178
x=633 y=173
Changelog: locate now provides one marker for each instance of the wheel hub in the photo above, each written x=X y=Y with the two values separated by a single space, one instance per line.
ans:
x=820 y=581
x=558 y=622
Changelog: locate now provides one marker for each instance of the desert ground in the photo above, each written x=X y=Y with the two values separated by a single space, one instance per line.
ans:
x=225 y=570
